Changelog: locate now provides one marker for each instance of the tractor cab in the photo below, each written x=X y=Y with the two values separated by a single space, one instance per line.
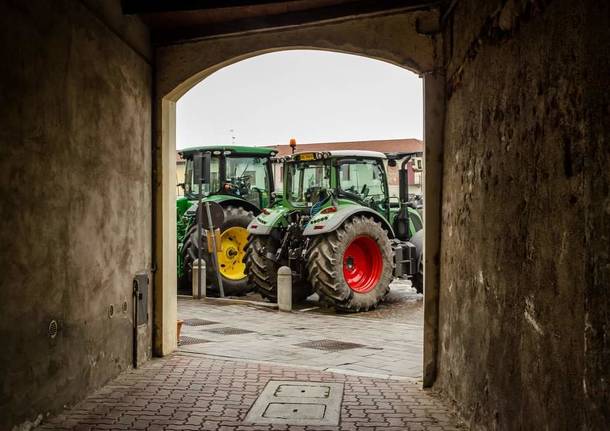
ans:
x=314 y=180
x=241 y=172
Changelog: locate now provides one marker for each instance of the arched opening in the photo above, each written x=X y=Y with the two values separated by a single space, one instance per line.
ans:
x=165 y=283
x=329 y=101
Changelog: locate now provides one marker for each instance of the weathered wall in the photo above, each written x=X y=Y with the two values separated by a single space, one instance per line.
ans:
x=75 y=181
x=524 y=261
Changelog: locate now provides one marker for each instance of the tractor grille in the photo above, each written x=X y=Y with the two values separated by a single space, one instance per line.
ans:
x=330 y=345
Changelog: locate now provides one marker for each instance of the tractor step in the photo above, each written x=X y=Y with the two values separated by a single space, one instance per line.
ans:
x=405 y=258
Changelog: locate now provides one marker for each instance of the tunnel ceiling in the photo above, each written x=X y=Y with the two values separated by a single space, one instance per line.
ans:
x=178 y=20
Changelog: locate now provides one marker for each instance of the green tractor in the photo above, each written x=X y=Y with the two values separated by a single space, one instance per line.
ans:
x=241 y=181
x=338 y=230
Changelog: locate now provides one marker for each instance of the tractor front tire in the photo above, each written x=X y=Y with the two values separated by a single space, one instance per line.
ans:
x=351 y=267
x=262 y=270
x=230 y=259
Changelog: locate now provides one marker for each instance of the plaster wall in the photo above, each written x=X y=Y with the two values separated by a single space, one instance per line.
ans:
x=524 y=275
x=75 y=181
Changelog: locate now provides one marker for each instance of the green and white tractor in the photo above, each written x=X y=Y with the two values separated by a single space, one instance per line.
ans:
x=241 y=181
x=338 y=230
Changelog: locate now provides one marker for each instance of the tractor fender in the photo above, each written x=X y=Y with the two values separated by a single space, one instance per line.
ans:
x=324 y=223
x=264 y=222
x=192 y=211
x=240 y=203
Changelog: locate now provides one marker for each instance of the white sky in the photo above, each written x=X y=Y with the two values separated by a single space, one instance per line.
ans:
x=313 y=96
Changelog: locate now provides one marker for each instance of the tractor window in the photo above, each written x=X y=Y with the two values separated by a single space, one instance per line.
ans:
x=308 y=182
x=363 y=179
x=246 y=177
x=191 y=190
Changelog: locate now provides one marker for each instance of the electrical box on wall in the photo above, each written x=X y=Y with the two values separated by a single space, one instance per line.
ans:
x=140 y=292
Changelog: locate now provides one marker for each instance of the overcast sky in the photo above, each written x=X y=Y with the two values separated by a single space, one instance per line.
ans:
x=313 y=96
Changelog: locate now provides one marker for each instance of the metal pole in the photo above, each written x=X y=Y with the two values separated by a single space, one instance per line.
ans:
x=199 y=232
x=214 y=254
x=135 y=324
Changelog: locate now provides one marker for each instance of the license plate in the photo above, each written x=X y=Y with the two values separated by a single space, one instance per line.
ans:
x=306 y=157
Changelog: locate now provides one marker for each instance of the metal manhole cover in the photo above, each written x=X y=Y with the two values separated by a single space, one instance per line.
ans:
x=298 y=403
x=198 y=322
x=191 y=340
x=229 y=331
x=329 y=345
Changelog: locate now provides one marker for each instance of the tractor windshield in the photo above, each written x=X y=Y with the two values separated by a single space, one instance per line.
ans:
x=364 y=181
x=244 y=177
x=191 y=188
x=308 y=182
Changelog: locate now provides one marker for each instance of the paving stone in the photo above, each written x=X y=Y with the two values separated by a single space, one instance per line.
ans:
x=122 y=400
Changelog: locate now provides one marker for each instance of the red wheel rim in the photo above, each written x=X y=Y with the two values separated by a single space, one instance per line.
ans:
x=362 y=264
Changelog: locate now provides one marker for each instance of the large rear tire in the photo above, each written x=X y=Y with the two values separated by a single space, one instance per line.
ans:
x=233 y=233
x=262 y=269
x=351 y=267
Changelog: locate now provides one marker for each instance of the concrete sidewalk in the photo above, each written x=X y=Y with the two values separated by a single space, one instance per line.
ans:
x=339 y=343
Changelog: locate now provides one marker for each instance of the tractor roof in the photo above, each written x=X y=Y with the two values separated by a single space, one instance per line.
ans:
x=357 y=153
x=236 y=149
x=345 y=153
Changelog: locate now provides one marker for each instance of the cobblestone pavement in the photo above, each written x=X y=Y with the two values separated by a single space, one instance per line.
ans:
x=386 y=342
x=195 y=392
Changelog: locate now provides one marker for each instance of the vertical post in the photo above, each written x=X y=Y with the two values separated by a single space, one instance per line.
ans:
x=199 y=233
x=284 y=288
x=215 y=252
x=434 y=121
x=164 y=238
x=198 y=279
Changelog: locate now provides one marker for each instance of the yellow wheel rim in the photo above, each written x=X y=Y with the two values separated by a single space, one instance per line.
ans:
x=230 y=259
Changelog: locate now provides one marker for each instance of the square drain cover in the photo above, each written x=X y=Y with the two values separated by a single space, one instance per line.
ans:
x=198 y=322
x=229 y=331
x=190 y=340
x=297 y=390
x=329 y=345
x=298 y=403
x=289 y=411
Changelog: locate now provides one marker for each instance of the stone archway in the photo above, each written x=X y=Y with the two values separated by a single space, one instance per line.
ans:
x=400 y=38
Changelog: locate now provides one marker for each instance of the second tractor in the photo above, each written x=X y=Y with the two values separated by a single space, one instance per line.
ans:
x=338 y=230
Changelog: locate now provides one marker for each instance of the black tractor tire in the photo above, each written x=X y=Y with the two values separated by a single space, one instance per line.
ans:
x=326 y=259
x=417 y=280
x=234 y=216
x=262 y=269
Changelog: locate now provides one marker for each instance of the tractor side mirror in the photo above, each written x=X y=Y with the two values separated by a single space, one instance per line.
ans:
x=201 y=168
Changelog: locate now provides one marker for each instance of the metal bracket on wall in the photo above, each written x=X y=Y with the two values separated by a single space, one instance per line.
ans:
x=140 y=309
x=140 y=287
